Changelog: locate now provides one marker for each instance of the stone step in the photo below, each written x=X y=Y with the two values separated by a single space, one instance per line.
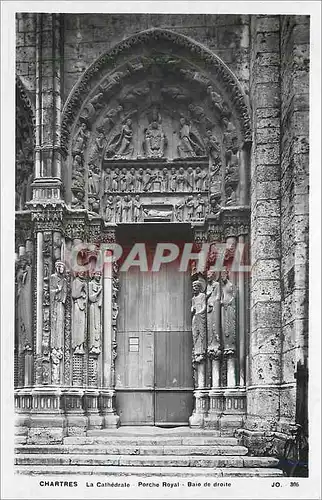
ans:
x=145 y=461
x=112 y=449
x=153 y=431
x=151 y=440
x=159 y=473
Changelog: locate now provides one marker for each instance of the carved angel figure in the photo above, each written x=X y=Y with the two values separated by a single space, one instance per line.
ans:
x=189 y=145
x=121 y=145
x=81 y=139
x=95 y=156
x=94 y=180
x=212 y=147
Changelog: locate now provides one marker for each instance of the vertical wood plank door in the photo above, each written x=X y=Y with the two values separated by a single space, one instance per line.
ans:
x=153 y=366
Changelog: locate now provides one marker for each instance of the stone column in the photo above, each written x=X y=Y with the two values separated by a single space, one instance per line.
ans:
x=47 y=183
x=263 y=388
x=241 y=316
x=110 y=309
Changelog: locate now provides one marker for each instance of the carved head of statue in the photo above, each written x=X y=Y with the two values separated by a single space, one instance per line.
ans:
x=173 y=171
x=59 y=267
x=97 y=276
x=212 y=276
x=224 y=275
x=182 y=121
x=181 y=170
x=129 y=122
x=198 y=170
x=140 y=171
x=124 y=171
x=81 y=275
x=137 y=197
x=196 y=287
x=132 y=171
x=110 y=199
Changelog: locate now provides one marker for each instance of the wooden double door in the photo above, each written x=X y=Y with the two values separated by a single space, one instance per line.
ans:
x=153 y=369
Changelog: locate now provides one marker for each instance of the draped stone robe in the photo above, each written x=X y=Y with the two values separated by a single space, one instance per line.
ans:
x=79 y=296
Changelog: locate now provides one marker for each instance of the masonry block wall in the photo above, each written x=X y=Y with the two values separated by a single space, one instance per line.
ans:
x=265 y=329
x=294 y=202
x=87 y=36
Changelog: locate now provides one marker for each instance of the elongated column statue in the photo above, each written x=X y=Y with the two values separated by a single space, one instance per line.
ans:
x=228 y=325
x=24 y=317
x=198 y=310
x=95 y=291
x=199 y=338
x=213 y=325
x=79 y=296
x=58 y=292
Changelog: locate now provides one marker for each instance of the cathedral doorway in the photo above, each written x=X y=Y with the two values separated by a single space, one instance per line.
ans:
x=153 y=369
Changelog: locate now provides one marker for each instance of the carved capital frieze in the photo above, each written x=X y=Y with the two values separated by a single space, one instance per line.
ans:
x=47 y=219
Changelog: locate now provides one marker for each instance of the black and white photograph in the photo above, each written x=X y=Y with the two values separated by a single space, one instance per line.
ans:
x=160 y=299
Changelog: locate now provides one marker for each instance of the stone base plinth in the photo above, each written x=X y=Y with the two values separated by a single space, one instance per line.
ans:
x=111 y=421
x=107 y=405
x=197 y=419
x=49 y=428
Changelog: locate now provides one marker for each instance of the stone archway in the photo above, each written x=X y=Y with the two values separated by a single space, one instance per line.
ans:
x=158 y=130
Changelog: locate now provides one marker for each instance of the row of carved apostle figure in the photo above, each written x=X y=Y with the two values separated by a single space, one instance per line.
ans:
x=146 y=180
x=213 y=316
x=128 y=209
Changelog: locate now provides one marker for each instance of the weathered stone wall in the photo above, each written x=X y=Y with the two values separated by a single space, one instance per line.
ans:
x=265 y=328
x=87 y=36
x=26 y=49
x=294 y=201
x=279 y=200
